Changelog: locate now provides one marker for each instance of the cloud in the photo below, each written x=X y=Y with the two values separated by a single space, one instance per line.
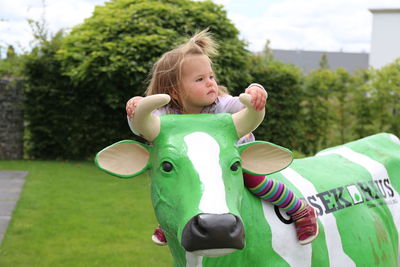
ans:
x=309 y=25
x=14 y=15
x=76 y=12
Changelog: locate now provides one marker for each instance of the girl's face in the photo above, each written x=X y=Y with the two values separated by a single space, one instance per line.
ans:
x=198 y=84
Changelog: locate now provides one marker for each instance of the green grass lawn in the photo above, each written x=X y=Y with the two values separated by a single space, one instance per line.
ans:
x=72 y=214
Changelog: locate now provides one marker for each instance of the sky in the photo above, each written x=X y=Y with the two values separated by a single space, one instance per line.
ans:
x=315 y=25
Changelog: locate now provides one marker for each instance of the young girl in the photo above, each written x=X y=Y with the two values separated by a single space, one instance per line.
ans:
x=185 y=73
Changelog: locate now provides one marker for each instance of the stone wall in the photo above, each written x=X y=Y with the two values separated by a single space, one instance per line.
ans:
x=11 y=119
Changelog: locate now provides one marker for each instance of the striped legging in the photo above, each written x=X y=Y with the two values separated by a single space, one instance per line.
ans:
x=273 y=191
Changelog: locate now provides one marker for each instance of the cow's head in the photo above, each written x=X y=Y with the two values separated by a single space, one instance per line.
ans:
x=196 y=171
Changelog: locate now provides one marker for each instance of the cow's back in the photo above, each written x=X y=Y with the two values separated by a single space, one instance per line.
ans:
x=354 y=188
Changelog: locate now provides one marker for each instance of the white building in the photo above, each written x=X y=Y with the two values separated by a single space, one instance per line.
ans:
x=385 y=41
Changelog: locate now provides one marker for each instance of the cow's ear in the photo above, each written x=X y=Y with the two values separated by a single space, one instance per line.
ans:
x=262 y=158
x=124 y=159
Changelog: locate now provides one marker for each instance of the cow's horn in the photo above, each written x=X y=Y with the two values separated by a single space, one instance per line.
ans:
x=248 y=118
x=144 y=122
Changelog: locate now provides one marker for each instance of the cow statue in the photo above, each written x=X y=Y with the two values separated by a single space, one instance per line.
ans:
x=211 y=219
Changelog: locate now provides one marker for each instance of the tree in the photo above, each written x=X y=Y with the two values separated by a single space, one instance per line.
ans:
x=362 y=108
x=12 y=65
x=323 y=63
x=10 y=52
x=94 y=70
x=316 y=114
x=47 y=109
x=283 y=84
x=341 y=102
x=385 y=85
x=267 y=53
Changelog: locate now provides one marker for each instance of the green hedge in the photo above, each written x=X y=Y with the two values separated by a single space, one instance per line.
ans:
x=283 y=83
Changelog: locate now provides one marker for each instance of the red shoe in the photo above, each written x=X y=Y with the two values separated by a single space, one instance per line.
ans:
x=306 y=224
x=158 y=237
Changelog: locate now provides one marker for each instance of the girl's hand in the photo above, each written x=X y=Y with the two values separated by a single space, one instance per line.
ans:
x=131 y=106
x=258 y=97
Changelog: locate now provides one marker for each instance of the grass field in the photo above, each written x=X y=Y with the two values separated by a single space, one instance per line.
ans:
x=72 y=214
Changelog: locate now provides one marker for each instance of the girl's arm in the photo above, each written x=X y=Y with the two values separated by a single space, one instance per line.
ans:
x=131 y=106
x=258 y=95
x=229 y=104
x=130 y=112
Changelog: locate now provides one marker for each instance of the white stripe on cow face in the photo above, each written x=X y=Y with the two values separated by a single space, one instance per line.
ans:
x=203 y=152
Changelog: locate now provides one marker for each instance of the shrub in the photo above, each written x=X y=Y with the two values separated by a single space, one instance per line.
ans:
x=283 y=83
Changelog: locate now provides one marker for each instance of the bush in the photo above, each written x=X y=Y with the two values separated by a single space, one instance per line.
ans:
x=12 y=65
x=47 y=106
x=362 y=105
x=283 y=83
x=385 y=94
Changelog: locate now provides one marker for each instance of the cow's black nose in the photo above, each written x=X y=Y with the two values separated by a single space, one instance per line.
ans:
x=211 y=231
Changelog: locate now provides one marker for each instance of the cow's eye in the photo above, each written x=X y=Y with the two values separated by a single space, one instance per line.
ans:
x=167 y=166
x=235 y=166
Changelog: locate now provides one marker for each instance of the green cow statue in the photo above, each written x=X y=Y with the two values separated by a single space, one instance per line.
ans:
x=211 y=219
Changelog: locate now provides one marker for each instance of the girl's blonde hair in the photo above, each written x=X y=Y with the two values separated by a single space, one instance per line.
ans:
x=166 y=75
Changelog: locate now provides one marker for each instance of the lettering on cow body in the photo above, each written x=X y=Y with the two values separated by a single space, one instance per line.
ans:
x=372 y=193
x=377 y=171
x=203 y=151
